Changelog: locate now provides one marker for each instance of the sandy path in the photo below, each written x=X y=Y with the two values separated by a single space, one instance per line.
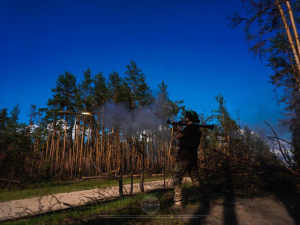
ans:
x=36 y=205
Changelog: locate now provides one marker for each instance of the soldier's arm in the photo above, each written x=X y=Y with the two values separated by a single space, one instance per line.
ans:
x=178 y=135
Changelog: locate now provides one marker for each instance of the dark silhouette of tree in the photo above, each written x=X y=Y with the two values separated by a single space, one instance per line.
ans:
x=272 y=25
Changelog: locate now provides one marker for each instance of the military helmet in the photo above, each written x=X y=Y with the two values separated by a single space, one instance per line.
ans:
x=192 y=115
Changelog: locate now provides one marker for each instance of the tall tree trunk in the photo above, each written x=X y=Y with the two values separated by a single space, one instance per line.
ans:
x=64 y=149
x=170 y=147
x=291 y=41
x=143 y=167
x=52 y=147
x=131 y=167
x=57 y=165
x=81 y=149
x=103 y=133
x=121 y=167
x=290 y=11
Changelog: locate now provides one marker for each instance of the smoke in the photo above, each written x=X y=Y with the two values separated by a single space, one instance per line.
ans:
x=130 y=121
x=260 y=130
x=263 y=130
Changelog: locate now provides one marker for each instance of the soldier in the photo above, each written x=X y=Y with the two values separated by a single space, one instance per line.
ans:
x=187 y=156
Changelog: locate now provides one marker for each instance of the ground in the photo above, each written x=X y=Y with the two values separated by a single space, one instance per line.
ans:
x=254 y=211
x=223 y=208
x=220 y=205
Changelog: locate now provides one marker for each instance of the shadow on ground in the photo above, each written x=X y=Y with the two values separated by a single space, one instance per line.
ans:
x=291 y=201
x=223 y=205
x=228 y=215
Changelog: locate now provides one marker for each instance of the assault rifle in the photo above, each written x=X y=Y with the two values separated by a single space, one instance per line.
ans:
x=180 y=123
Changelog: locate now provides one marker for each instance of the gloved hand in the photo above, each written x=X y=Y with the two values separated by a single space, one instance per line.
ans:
x=177 y=128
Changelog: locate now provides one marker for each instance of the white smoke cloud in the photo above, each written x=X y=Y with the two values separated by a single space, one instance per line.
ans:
x=130 y=122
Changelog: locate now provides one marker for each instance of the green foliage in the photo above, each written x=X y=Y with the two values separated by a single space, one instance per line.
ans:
x=33 y=114
x=166 y=108
x=284 y=76
x=228 y=134
x=85 y=90
x=254 y=143
x=44 y=147
x=64 y=92
x=3 y=121
x=101 y=92
x=139 y=90
x=15 y=144
x=120 y=91
x=271 y=42
x=163 y=102
x=225 y=122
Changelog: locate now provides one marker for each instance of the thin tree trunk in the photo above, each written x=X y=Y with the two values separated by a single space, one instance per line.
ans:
x=11 y=177
x=64 y=149
x=170 y=147
x=290 y=11
x=131 y=167
x=121 y=167
x=81 y=148
x=103 y=133
x=292 y=45
x=143 y=168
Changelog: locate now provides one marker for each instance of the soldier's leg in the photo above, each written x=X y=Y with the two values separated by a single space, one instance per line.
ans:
x=194 y=175
x=179 y=172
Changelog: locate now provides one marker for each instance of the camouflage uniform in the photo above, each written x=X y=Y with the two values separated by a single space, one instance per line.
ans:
x=183 y=165
x=186 y=160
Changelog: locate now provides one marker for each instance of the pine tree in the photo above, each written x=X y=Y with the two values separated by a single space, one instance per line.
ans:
x=277 y=40
x=33 y=114
x=119 y=89
x=226 y=124
x=101 y=92
x=86 y=90
x=101 y=95
x=63 y=99
x=14 y=141
x=140 y=91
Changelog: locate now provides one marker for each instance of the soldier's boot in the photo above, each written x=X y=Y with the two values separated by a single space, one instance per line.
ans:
x=177 y=197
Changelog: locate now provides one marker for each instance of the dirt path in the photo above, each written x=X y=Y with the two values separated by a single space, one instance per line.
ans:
x=17 y=209
x=227 y=210
x=271 y=210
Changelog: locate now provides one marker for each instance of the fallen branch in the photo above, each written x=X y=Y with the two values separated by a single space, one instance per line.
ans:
x=247 y=174
x=94 y=177
x=124 y=176
x=153 y=175
x=234 y=158
x=103 y=175
x=12 y=181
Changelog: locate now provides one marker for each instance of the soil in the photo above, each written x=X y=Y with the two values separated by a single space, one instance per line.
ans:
x=257 y=211
x=222 y=207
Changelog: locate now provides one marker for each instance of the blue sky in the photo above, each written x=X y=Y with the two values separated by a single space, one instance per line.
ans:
x=185 y=43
